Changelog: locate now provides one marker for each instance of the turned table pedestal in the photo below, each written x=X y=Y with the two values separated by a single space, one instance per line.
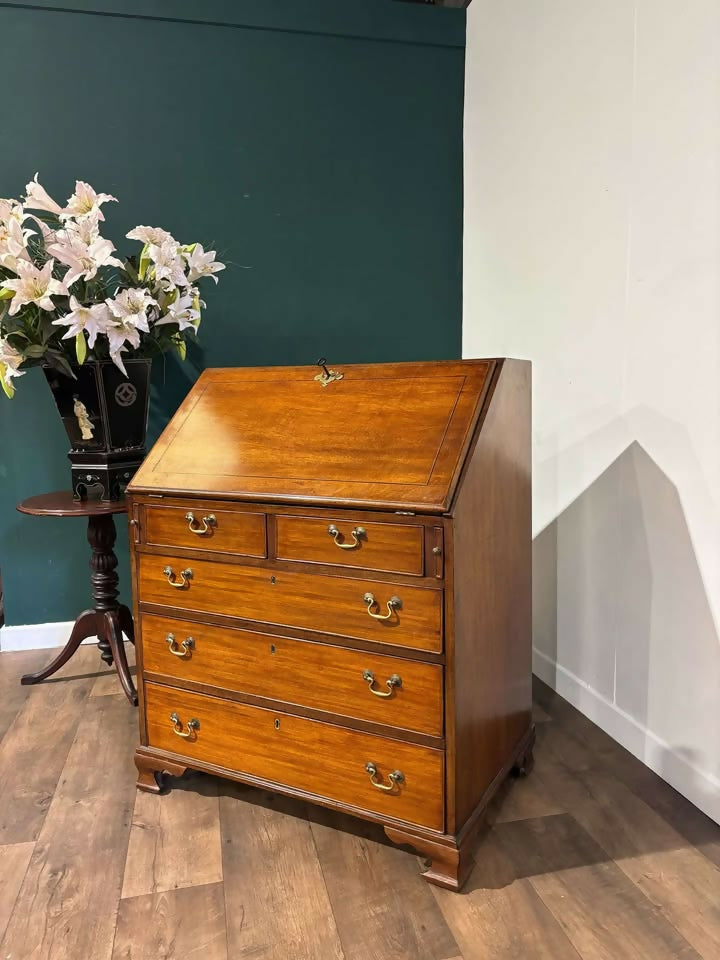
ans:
x=107 y=619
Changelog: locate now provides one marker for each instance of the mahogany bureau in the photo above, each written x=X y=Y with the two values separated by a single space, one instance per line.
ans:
x=332 y=583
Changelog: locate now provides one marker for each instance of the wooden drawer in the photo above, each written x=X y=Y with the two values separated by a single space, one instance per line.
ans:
x=319 y=758
x=391 y=547
x=314 y=675
x=211 y=528
x=329 y=605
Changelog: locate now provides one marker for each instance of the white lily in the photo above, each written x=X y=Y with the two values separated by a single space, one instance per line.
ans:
x=184 y=312
x=118 y=334
x=86 y=201
x=82 y=249
x=10 y=360
x=37 y=198
x=130 y=307
x=150 y=235
x=93 y=320
x=202 y=264
x=168 y=265
x=34 y=286
x=13 y=240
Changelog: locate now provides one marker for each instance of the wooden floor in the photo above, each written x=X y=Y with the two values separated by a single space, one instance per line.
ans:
x=591 y=857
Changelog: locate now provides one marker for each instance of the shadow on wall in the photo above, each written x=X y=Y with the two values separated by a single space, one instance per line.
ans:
x=619 y=605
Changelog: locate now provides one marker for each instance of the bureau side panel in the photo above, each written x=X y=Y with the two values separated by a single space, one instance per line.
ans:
x=492 y=595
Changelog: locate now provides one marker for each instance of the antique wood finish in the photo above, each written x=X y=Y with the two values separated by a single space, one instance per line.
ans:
x=386 y=435
x=328 y=605
x=406 y=482
x=108 y=619
x=289 y=671
x=374 y=546
x=318 y=758
x=212 y=527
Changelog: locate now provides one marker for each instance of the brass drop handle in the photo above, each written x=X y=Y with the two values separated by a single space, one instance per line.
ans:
x=185 y=647
x=394 y=603
x=356 y=535
x=185 y=577
x=207 y=522
x=394 y=681
x=396 y=778
x=192 y=727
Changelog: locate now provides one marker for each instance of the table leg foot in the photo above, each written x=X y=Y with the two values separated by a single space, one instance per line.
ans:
x=113 y=634
x=86 y=626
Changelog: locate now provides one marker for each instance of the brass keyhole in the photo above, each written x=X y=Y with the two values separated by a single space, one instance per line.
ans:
x=272 y=648
x=277 y=724
x=273 y=579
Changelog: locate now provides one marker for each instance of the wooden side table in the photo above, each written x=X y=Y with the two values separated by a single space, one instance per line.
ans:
x=108 y=619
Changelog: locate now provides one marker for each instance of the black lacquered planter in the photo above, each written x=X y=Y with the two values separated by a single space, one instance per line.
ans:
x=105 y=417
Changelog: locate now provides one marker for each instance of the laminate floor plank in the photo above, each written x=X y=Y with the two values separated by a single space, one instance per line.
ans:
x=276 y=902
x=501 y=917
x=383 y=907
x=107 y=683
x=523 y=798
x=601 y=911
x=602 y=752
x=14 y=860
x=12 y=694
x=68 y=902
x=33 y=752
x=175 y=838
x=184 y=924
x=673 y=875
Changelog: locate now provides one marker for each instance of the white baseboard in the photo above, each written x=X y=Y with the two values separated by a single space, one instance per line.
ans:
x=36 y=636
x=700 y=787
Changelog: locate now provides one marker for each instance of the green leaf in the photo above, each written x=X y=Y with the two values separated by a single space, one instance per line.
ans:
x=59 y=362
x=34 y=350
x=181 y=348
x=6 y=294
x=81 y=347
x=8 y=390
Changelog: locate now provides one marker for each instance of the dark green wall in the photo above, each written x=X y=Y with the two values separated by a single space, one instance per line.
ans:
x=316 y=144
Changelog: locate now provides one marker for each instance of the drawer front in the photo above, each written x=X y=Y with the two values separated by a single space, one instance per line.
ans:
x=319 y=758
x=329 y=605
x=314 y=675
x=391 y=547
x=206 y=528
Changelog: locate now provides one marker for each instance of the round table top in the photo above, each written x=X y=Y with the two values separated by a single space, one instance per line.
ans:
x=61 y=504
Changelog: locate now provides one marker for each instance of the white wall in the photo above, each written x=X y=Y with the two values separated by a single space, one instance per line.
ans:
x=592 y=247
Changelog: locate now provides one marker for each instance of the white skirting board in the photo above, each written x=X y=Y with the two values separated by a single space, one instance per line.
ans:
x=36 y=636
x=700 y=787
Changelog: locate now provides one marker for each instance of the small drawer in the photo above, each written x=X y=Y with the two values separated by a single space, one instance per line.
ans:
x=386 y=612
x=405 y=694
x=208 y=527
x=391 y=547
x=322 y=759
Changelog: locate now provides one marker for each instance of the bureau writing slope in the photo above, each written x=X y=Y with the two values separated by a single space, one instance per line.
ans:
x=332 y=582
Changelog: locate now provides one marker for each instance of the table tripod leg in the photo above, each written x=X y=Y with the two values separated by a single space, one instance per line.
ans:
x=113 y=635
x=86 y=626
x=126 y=622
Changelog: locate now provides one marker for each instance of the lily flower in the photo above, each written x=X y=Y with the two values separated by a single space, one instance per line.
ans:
x=34 y=286
x=83 y=250
x=37 y=198
x=130 y=306
x=168 y=265
x=93 y=320
x=86 y=201
x=10 y=360
x=202 y=264
x=13 y=240
x=183 y=312
x=155 y=235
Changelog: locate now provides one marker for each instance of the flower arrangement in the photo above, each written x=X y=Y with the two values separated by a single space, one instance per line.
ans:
x=65 y=297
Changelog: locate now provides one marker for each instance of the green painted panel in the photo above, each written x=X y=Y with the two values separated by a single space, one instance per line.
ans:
x=325 y=170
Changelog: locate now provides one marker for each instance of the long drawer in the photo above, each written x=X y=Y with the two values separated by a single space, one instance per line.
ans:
x=328 y=761
x=339 y=606
x=402 y=693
